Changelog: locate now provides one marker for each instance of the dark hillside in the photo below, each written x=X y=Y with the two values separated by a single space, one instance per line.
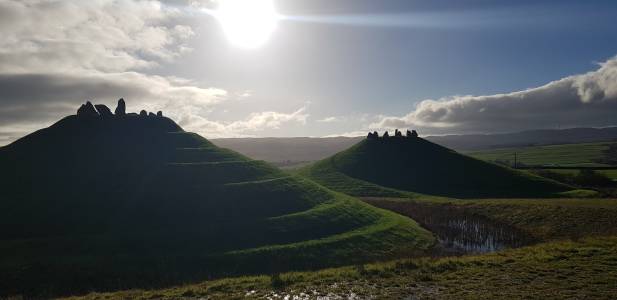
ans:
x=99 y=202
x=417 y=165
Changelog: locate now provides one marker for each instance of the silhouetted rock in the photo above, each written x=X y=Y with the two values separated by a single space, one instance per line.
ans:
x=414 y=134
x=408 y=134
x=87 y=110
x=375 y=134
x=159 y=113
x=386 y=135
x=372 y=136
x=398 y=133
x=143 y=113
x=121 y=108
x=103 y=110
x=151 y=114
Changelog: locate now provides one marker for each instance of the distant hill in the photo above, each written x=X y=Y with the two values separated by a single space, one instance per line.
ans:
x=420 y=166
x=288 y=151
x=297 y=150
x=100 y=201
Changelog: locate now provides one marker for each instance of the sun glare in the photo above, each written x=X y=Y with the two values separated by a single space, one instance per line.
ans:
x=247 y=23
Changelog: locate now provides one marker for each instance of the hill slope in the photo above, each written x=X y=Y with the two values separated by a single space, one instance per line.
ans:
x=417 y=165
x=108 y=202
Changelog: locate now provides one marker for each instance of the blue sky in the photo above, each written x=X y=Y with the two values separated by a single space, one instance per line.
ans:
x=343 y=67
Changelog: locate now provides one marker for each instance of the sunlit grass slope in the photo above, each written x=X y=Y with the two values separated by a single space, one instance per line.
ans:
x=110 y=203
x=383 y=166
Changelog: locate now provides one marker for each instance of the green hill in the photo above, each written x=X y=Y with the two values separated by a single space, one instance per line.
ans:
x=113 y=202
x=400 y=166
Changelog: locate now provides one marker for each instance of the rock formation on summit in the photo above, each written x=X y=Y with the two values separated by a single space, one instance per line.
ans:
x=87 y=110
x=159 y=113
x=103 y=110
x=121 y=108
x=143 y=113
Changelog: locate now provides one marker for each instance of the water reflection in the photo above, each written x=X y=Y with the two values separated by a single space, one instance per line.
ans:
x=459 y=231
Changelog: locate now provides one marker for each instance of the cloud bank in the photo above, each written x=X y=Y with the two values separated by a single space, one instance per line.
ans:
x=582 y=100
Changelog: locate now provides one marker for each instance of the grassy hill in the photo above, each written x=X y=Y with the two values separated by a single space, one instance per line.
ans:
x=414 y=165
x=105 y=203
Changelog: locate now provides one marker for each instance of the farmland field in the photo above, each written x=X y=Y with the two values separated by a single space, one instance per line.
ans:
x=568 y=155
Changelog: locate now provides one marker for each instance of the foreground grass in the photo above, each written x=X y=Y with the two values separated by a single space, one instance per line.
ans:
x=580 y=269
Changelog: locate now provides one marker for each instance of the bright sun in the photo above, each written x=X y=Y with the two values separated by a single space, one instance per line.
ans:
x=247 y=23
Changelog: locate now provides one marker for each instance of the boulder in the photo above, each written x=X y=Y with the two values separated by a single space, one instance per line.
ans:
x=386 y=135
x=87 y=110
x=121 y=108
x=159 y=113
x=143 y=113
x=151 y=114
x=103 y=110
x=371 y=136
x=408 y=134
x=414 y=133
x=398 y=133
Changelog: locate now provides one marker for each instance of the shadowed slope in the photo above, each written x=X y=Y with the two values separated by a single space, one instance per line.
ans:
x=417 y=165
x=126 y=201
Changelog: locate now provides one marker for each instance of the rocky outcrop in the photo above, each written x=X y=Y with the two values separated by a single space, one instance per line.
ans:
x=103 y=110
x=151 y=114
x=121 y=108
x=87 y=110
x=143 y=113
x=159 y=113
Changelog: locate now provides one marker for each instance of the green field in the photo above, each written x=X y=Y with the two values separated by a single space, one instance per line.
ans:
x=608 y=173
x=575 y=258
x=568 y=155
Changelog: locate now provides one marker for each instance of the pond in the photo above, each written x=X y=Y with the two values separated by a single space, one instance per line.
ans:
x=458 y=231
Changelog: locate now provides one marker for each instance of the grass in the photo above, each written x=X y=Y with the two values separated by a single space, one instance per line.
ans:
x=107 y=204
x=612 y=174
x=580 y=269
x=408 y=167
x=568 y=155
x=545 y=219
x=575 y=259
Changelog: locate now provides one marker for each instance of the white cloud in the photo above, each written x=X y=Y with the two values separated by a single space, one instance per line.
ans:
x=104 y=35
x=582 y=100
x=329 y=120
x=254 y=123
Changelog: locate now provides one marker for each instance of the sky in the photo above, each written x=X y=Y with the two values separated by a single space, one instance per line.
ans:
x=326 y=68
